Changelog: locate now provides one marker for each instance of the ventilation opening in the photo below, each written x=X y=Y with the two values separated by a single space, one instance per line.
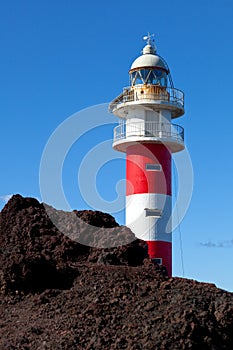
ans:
x=157 y=260
x=153 y=167
x=153 y=212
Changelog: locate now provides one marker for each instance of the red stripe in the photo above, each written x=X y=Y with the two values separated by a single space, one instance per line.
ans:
x=163 y=250
x=140 y=180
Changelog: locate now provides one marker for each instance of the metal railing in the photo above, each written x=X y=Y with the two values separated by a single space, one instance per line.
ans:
x=149 y=93
x=171 y=132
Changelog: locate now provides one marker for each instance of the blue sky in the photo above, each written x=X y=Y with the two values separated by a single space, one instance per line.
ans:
x=58 y=57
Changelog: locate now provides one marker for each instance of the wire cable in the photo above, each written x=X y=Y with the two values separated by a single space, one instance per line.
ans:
x=178 y=218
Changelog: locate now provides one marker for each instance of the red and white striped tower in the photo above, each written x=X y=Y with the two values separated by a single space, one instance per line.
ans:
x=147 y=136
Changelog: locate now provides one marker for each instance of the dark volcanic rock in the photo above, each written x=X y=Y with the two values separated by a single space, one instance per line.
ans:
x=35 y=255
x=96 y=218
x=57 y=294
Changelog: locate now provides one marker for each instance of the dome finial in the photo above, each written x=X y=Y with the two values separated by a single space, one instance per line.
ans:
x=149 y=39
x=150 y=46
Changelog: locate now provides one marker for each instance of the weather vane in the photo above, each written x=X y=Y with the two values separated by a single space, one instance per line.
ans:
x=148 y=38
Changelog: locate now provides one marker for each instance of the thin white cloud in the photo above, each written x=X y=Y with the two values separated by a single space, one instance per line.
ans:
x=5 y=198
x=223 y=244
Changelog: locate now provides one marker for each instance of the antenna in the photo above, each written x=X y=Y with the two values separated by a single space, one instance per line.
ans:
x=148 y=38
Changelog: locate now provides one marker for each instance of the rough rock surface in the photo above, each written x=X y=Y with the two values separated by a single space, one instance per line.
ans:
x=59 y=294
x=35 y=255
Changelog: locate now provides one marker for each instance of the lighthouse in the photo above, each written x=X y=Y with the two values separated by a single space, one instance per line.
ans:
x=148 y=136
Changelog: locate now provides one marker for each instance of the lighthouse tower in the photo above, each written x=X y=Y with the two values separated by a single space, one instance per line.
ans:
x=147 y=135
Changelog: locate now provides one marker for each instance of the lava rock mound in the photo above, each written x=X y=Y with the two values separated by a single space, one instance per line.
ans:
x=36 y=255
x=59 y=294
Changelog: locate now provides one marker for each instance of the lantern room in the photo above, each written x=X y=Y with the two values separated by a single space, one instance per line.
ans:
x=149 y=68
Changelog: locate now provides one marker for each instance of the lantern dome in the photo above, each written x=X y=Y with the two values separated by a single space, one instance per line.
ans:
x=149 y=59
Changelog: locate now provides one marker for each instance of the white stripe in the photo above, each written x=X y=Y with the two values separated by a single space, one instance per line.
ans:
x=148 y=227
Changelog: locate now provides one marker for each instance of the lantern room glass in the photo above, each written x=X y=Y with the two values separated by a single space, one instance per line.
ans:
x=149 y=76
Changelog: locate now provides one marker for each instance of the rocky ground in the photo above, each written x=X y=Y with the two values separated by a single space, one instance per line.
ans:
x=59 y=294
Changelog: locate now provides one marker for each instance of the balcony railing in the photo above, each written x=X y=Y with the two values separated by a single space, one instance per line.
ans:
x=163 y=131
x=149 y=93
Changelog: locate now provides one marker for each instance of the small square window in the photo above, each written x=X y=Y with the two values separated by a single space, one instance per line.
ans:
x=153 y=212
x=158 y=261
x=153 y=167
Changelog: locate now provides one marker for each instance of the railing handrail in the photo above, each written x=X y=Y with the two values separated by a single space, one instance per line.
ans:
x=174 y=96
x=148 y=129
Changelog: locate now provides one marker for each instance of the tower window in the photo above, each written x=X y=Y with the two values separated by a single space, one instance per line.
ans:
x=153 y=167
x=153 y=212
